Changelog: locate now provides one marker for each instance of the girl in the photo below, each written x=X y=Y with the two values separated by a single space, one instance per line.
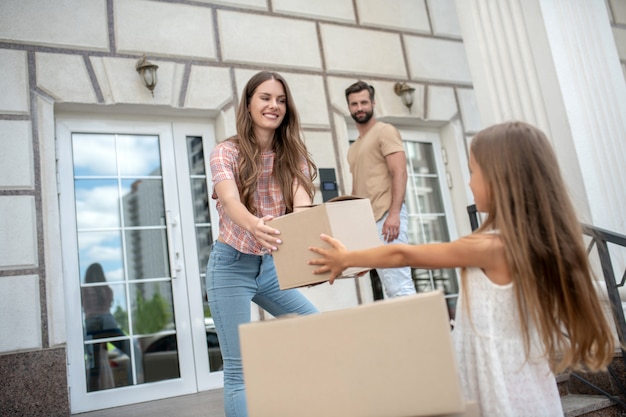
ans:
x=261 y=173
x=528 y=306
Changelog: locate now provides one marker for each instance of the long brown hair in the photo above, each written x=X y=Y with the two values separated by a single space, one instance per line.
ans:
x=542 y=236
x=291 y=152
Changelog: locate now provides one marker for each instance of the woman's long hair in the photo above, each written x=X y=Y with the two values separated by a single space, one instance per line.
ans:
x=291 y=152
x=542 y=236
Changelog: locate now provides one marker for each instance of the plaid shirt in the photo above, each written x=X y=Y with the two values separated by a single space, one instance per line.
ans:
x=268 y=197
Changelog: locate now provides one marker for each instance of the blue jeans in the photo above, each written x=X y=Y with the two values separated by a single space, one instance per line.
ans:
x=396 y=281
x=233 y=280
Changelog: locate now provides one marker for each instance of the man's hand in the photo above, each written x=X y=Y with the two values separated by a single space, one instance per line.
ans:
x=391 y=227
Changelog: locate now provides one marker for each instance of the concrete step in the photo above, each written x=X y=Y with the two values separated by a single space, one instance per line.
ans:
x=590 y=405
x=578 y=399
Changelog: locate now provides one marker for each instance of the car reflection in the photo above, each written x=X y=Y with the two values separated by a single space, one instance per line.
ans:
x=159 y=355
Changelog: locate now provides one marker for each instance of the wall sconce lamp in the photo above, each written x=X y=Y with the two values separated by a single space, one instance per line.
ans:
x=148 y=72
x=405 y=92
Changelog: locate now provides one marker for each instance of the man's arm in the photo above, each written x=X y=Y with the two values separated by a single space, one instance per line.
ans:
x=396 y=163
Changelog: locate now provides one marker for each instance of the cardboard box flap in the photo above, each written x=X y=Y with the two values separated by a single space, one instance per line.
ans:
x=344 y=231
x=334 y=200
x=345 y=198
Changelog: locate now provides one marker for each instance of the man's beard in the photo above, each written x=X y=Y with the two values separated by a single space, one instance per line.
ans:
x=362 y=118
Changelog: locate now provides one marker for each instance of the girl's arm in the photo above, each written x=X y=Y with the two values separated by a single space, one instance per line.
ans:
x=228 y=194
x=483 y=250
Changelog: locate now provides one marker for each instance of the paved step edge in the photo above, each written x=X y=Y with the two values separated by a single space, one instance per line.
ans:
x=577 y=405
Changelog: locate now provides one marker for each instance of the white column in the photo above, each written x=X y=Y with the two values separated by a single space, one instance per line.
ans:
x=553 y=63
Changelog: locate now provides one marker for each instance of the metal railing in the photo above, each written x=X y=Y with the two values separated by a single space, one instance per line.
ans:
x=600 y=241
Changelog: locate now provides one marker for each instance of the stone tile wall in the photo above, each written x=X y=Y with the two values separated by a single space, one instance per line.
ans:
x=34 y=384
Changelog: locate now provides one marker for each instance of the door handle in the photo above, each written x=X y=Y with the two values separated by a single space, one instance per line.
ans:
x=172 y=252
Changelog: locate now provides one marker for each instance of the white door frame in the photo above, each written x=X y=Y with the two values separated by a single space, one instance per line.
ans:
x=205 y=380
x=187 y=301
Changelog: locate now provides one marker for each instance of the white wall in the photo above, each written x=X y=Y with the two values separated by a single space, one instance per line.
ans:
x=72 y=51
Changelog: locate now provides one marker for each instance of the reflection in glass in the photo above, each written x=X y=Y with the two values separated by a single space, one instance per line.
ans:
x=204 y=241
x=439 y=279
x=420 y=158
x=121 y=237
x=142 y=200
x=195 y=155
x=101 y=367
x=160 y=357
x=200 y=200
x=146 y=254
x=97 y=203
x=452 y=301
x=152 y=307
x=104 y=248
x=436 y=279
x=138 y=155
x=213 y=346
x=94 y=154
x=160 y=353
x=423 y=194
x=428 y=229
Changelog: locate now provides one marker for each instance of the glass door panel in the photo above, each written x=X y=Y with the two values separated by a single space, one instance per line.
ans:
x=195 y=147
x=428 y=218
x=121 y=226
x=192 y=144
x=200 y=201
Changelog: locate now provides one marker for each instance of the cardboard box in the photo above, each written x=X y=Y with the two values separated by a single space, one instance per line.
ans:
x=348 y=219
x=471 y=410
x=391 y=358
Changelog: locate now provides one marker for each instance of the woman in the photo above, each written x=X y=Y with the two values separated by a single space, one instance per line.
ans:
x=265 y=171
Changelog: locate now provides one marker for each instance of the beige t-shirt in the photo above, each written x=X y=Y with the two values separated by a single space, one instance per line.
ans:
x=370 y=175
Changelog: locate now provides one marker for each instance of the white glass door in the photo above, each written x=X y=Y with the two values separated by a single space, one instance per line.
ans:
x=429 y=206
x=135 y=229
x=430 y=209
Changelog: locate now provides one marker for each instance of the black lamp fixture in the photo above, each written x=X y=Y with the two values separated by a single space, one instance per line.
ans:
x=148 y=72
x=405 y=92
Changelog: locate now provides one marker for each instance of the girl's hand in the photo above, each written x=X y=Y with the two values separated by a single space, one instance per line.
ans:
x=331 y=260
x=266 y=235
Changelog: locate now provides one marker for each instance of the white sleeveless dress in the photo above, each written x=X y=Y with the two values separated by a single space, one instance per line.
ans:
x=491 y=356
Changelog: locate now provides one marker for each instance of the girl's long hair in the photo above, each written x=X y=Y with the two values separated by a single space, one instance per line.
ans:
x=291 y=152
x=544 y=248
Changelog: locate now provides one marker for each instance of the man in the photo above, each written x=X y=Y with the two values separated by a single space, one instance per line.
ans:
x=378 y=166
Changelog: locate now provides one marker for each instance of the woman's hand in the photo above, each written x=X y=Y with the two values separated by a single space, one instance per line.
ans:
x=228 y=194
x=332 y=259
x=267 y=236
